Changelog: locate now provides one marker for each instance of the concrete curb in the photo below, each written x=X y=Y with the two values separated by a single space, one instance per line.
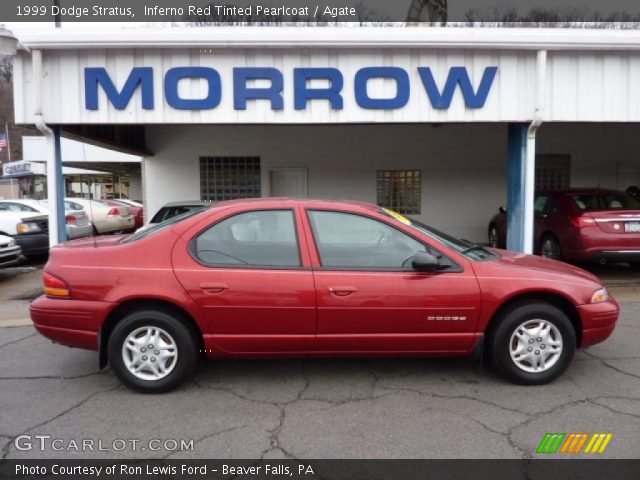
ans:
x=16 y=322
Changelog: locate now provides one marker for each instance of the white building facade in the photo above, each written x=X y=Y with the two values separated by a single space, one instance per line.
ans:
x=442 y=124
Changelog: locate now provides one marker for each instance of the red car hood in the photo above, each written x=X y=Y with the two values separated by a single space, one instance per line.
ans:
x=542 y=264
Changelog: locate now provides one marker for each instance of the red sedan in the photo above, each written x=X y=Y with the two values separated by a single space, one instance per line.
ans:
x=582 y=225
x=296 y=278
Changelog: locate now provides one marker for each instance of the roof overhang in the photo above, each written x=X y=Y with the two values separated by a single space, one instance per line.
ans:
x=339 y=37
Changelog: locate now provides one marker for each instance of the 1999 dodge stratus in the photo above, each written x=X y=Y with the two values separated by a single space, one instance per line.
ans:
x=297 y=278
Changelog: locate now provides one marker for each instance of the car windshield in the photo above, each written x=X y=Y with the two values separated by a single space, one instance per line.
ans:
x=463 y=247
x=605 y=201
x=161 y=226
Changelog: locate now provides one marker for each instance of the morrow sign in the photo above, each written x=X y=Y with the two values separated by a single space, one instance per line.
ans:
x=244 y=89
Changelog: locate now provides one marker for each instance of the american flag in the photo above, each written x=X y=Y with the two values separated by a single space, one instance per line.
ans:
x=3 y=141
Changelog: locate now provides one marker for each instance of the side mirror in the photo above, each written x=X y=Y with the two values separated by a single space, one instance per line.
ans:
x=425 y=262
x=502 y=210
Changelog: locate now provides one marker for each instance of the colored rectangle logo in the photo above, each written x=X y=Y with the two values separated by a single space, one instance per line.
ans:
x=574 y=443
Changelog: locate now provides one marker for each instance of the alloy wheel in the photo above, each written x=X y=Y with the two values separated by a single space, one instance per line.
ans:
x=149 y=353
x=535 y=346
x=550 y=249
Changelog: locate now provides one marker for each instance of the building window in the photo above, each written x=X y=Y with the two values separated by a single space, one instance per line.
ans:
x=227 y=178
x=553 y=172
x=400 y=190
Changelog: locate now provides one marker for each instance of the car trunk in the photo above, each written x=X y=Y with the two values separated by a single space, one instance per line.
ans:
x=626 y=222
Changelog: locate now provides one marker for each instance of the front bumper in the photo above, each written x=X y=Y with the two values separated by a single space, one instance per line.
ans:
x=33 y=243
x=10 y=256
x=598 y=321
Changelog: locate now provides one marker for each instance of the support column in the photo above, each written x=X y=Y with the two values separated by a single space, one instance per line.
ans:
x=516 y=189
x=57 y=221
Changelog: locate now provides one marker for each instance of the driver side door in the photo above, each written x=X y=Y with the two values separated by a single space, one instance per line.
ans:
x=371 y=300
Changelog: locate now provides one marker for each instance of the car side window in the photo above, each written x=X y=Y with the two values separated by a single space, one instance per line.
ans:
x=17 y=207
x=350 y=241
x=539 y=205
x=262 y=238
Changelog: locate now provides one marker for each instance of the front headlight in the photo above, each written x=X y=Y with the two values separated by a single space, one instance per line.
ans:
x=28 y=228
x=12 y=243
x=600 y=296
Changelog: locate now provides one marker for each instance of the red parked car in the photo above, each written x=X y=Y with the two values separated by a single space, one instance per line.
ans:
x=582 y=225
x=297 y=278
x=137 y=212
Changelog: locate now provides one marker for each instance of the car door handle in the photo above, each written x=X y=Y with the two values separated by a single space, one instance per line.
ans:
x=342 y=291
x=214 y=287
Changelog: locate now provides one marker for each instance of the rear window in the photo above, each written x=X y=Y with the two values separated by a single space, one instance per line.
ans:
x=605 y=201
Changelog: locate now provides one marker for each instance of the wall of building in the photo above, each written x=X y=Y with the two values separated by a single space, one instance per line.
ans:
x=464 y=167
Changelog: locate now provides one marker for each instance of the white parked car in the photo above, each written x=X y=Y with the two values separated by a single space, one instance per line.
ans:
x=78 y=225
x=106 y=218
x=10 y=251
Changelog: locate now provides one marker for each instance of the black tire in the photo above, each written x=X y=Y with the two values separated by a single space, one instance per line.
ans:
x=499 y=341
x=550 y=247
x=95 y=231
x=185 y=340
x=494 y=237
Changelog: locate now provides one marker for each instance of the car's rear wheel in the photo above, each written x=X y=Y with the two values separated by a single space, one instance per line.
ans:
x=532 y=343
x=550 y=248
x=494 y=237
x=153 y=351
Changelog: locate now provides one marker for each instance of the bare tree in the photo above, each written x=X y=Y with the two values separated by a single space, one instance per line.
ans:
x=559 y=17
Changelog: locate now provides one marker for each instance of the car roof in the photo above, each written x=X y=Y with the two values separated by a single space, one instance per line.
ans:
x=186 y=203
x=305 y=202
x=581 y=191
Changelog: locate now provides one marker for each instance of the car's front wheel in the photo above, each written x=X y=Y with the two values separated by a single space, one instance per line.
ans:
x=152 y=351
x=533 y=343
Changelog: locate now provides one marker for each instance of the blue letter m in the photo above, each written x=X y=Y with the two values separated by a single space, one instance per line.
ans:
x=142 y=76
x=457 y=76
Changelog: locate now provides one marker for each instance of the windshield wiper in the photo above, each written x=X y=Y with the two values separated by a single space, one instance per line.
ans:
x=475 y=247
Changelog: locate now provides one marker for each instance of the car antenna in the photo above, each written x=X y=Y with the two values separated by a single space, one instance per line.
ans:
x=599 y=183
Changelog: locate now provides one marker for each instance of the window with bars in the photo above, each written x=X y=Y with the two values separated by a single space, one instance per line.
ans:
x=553 y=172
x=227 y=178
x=400 y=190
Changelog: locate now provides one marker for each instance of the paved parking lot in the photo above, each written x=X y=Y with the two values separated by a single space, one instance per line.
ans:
x=412 y=408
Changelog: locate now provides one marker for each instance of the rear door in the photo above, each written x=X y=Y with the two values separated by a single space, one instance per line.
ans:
x=252 y=281
x=371 y=300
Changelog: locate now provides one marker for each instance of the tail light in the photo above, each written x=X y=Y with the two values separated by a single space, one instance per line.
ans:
x=114 y=211
x=55 y=287
x=71 y=219
x=583 y=221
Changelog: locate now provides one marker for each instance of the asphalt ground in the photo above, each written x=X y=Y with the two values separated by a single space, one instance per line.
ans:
x=355 y=408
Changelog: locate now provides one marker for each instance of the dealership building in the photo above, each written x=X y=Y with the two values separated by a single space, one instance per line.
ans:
x=443 y=124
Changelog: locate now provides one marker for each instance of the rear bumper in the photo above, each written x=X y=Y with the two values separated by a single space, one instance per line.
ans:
x=598 y=321
x=79 y=231
x=614 y=256
x=75 y=323
x=33 y=244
